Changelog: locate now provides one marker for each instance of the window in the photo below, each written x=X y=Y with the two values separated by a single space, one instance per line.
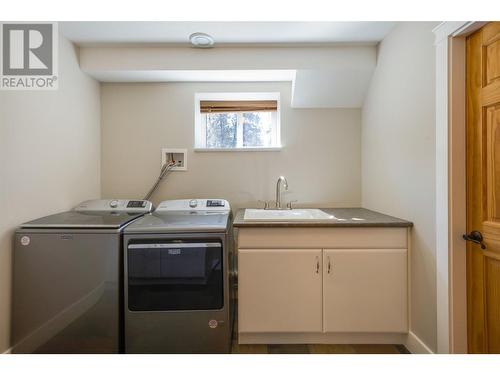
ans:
x=237 y=121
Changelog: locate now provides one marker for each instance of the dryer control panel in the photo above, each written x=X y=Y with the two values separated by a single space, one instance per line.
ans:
x=212 y=205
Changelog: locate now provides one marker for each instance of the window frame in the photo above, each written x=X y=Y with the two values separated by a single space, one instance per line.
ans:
x=200 y=125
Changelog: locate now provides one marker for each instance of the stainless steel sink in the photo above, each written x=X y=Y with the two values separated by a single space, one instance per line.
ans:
x=299 y=214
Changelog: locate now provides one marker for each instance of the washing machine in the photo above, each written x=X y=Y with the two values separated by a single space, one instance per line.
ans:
x=67 y=294
x=178 y=285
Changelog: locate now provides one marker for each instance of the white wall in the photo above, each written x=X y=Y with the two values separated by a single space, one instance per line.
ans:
x=49 y=157
x=335 y=76
x=320 y=158
x=398 y=155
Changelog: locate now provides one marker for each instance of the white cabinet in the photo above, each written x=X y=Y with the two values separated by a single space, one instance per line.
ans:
x=364 y=290
x=322 y=285
x=279 y=290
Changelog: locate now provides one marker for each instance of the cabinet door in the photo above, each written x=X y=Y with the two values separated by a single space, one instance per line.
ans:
x=365 y=290
x=279 y=290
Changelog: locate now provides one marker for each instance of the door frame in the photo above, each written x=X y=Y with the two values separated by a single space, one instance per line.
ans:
x=450 y=42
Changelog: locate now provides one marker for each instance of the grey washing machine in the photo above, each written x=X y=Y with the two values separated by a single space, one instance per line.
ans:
x=67 y=294
x=178 y=289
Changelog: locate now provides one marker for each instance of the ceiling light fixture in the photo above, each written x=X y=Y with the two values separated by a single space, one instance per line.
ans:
x=201 y=40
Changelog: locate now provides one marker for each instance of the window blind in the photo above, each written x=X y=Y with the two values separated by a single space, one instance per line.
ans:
x=219 y=106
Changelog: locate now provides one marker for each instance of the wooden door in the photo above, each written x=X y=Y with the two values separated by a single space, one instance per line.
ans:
x=483 y=189
x=279 y=290
x=365 y=290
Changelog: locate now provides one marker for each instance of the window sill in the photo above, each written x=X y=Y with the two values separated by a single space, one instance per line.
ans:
x=238 y=149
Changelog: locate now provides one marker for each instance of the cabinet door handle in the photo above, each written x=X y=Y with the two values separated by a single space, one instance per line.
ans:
x=329 y=268
x=317 y=264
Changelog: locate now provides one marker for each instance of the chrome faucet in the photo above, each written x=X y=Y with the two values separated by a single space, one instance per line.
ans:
x=281 y=180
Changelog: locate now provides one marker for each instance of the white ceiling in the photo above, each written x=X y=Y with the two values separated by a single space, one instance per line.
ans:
x=194 y=75
x=95 y=33
x=321 y=77
x=332 y=75
x=335 y=88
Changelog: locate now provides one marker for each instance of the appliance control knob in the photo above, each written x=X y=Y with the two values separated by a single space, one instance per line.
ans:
x=113 y=204
x=193 y=203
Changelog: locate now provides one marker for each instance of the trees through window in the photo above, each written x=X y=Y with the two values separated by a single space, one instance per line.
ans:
x=242 y=129
x=238 y=124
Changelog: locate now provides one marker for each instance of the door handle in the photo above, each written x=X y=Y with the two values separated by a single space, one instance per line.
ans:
x=317 y=264
x=329 y=267
x=475 y=237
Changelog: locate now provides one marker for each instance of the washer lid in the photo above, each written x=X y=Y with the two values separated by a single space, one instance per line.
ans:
x=74 y=219
x=180 y=222
x=95 y=213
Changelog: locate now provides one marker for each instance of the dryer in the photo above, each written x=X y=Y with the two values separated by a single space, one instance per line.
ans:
x=178 y=289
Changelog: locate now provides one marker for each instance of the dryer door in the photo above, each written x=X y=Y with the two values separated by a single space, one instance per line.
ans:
x=166 y=276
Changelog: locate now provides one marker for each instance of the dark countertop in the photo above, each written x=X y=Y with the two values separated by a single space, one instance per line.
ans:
x=368 y=218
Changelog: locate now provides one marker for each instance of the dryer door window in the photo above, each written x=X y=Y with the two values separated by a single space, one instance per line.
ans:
x=175 y=276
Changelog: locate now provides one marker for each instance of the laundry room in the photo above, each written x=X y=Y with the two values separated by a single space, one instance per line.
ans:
x=248 y=187
x=236 y=118
x=240 y=115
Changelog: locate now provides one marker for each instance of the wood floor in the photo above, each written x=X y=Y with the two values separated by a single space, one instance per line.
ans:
x=318 y=349
x=313 y=348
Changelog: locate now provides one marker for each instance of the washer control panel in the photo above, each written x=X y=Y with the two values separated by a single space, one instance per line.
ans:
x=212 y=205
x=115 y=205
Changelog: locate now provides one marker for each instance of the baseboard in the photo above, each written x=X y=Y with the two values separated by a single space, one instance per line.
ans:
x=321 y=338
x=416 y=346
